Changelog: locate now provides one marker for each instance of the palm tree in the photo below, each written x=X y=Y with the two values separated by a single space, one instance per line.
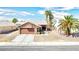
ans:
x=68 y=23
x=49 y=19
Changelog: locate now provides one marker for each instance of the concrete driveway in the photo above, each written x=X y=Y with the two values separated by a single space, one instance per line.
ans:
x=24 y=38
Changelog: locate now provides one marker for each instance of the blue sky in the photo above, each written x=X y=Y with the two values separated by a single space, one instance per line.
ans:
x=36 y=13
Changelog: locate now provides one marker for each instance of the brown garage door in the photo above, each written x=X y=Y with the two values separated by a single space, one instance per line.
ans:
x=27 y=31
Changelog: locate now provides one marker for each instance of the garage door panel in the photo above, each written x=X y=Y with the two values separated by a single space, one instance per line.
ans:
x=27 y=31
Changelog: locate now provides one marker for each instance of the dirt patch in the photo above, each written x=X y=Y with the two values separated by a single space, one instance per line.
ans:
x=8 y=37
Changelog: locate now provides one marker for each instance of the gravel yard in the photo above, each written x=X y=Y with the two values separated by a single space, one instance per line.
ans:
x=54 y=36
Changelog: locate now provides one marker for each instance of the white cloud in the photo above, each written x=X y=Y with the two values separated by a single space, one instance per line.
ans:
x=14 y=12
x=63 y=8
x=1 y=12
x=60 y=14
x=7 y=12
x=25 y=13
x=67 y=8
x=41 y=12
x=48 y=8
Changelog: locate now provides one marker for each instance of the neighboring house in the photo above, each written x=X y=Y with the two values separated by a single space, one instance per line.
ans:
x=28 y=28
x=7 y=26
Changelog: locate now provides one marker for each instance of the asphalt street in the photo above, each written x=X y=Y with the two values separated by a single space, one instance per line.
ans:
x=40 y=48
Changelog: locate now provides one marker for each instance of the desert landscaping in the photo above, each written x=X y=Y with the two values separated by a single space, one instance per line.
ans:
x=67 y=29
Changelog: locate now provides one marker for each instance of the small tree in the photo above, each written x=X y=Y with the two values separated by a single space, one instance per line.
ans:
x=14 y=20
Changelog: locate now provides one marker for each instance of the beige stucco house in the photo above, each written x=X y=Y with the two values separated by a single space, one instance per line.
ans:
x=28 y=28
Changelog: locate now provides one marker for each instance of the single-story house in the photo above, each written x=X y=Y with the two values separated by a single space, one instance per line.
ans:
x=28 y=28
x=31 y=28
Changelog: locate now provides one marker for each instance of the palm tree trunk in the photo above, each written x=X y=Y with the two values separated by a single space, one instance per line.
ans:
x=68 y=32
